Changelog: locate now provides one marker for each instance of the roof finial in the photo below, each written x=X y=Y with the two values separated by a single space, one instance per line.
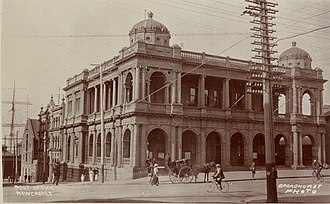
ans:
x=294 y=43
x=150 y=14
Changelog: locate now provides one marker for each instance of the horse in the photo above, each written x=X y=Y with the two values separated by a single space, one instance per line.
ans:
x=206 y=168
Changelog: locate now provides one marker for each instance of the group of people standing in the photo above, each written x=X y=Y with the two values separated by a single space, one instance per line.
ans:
x=153 y=172
x=93 y=174
x=27 y=177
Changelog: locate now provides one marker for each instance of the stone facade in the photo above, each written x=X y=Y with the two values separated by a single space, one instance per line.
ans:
x=160 y=99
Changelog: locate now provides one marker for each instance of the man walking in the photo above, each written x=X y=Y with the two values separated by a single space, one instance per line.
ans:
x=56 y=173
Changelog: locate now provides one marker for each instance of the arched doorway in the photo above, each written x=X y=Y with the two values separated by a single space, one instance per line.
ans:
x=306 y=104
x=189 y=139
x=280 y=150
x=237 y=150
x=307 y=150
x=90 y=145
x=156 y=145
x=157 y=81
x=108 y=145
x=213 y=148
x=69 y=149
x=259 y=149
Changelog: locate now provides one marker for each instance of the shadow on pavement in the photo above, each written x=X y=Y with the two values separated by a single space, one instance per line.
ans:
x=297 y=199
x=114 y=200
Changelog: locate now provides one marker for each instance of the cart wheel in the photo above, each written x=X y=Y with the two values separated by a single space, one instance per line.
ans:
x=174 y=177
x=187 y=174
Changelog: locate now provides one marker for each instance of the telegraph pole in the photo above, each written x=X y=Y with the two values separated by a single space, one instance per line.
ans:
x=263 y=71
x=102 y=121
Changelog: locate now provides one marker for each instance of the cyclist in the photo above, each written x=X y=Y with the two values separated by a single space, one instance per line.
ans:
x=317 y=168
x=218 y=175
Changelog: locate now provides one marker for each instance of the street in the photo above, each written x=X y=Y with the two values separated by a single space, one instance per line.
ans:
x=290 y=189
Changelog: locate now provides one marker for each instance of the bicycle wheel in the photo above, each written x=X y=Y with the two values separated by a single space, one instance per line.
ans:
x=321 y=179
x=225 y=186
x=315 y=179
x=211 y=187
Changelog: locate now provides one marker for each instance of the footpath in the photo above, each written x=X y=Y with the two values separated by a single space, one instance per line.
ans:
x=230 y=176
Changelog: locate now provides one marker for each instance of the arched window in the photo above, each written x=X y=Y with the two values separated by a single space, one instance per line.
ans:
x=98 y=146
x=126 y=144
x=306 y=104
x=108 y=145
x=90 y=146
x=129 y=87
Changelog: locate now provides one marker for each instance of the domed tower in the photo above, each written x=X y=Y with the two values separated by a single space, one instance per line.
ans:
x=150 y=31
x=295 y=57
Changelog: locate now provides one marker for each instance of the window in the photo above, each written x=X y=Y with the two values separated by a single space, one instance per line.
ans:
x=108 y=145
x=69 y=104
x=207 y=101
x=77 y=111
x=126 y=144
x=193 y=98
x=90 y=146
x=216 y=98
x=98 y=146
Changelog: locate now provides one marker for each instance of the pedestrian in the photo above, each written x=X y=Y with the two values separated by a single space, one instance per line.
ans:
x=91 y=174
x=148 y=165
x=167 y=161
x=253 y=169
x=57 y=170
x=96 y=173
x=29 y=178
x=155 y=176
x=82 y=177
x=25 y=177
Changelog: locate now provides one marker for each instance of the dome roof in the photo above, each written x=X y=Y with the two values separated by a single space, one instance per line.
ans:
x=294 y=53
x=149 y=25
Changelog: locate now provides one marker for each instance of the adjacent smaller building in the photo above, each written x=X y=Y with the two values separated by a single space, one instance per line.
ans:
x=30 y=164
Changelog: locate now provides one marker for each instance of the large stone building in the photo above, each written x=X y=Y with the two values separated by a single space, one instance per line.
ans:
x=160 y=99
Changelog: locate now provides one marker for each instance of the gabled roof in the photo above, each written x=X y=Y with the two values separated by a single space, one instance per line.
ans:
x=35 y=127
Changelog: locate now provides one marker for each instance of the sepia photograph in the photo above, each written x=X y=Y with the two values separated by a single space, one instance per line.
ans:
x=176 y=101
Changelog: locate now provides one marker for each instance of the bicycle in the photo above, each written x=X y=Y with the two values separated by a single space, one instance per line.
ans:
x=317 y=176
x=214 y=186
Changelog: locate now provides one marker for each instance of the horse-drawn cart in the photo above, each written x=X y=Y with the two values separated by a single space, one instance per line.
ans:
x=181 y=171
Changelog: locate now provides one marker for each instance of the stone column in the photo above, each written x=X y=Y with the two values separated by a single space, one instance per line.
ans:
x=319 y=149
x=120 y=89
x=300 y=141
x=179 y=136
x=120 y=147
x=143 y=83
x=135 y=156
x=113 y=140
x=95 y=99
x=137 y=84
x=174 y=89
x=143 y=142
x=148 y=91
x=202 y=146
x=295 y=147
x=202 y=90
x=226 y=95
x=94 y=147
x=323 y=147
x=173 y=141
x=179 y=87
x=114 y=93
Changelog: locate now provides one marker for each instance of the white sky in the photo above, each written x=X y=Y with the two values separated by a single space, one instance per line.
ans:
x=39 y=54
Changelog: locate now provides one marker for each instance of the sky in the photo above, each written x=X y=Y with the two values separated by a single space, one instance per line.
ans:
x=44 y=42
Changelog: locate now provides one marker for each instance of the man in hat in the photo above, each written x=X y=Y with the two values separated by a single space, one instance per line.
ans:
x=218 y=175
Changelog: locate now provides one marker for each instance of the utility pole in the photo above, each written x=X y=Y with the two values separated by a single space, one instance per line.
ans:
x=263 y=72
x=102 y=121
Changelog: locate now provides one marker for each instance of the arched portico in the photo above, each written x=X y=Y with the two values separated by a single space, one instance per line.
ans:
x=213 y=147
x=237 y=143
x=280 y=152
x=189 y=143
x=259 y=149
x=156 y=145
